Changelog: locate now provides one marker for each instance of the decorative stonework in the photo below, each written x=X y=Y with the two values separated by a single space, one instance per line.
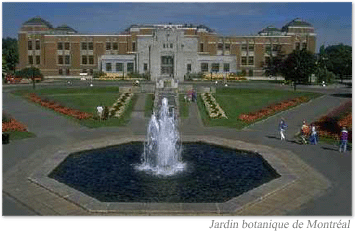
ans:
x=119 y=107
x=212 y=107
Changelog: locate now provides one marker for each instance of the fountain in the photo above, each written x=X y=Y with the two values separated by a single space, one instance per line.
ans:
x=162 y=150
x=161 y=168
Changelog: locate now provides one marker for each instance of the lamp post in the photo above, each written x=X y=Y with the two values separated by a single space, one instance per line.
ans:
x=33 y=78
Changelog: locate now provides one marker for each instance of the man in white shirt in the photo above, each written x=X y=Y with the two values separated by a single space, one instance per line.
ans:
x=99 y=109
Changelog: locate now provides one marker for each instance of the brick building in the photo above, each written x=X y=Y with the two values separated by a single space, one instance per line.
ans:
x=168 y=50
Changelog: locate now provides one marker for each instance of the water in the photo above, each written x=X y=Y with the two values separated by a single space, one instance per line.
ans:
x=212 y=174
x=162 y=150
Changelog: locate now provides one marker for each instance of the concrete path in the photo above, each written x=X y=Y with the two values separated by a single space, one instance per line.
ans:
x=193 y=124
x=325 y=158
x=53 y=130
x=138 y=122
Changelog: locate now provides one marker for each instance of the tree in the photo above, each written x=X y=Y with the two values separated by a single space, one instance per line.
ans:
x=323 y=74
x=10 y=53
x=274 y=65
x=32 y=73
x=339 y=59
x=4 y=67
x=298 y=66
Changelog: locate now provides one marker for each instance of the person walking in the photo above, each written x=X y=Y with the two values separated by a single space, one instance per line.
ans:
x=313 y=138
x=100 y=110
x=282 y=129
x=304 y=132
x=343 y=140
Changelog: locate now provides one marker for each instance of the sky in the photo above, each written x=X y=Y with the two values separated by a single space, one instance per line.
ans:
x=332 y=21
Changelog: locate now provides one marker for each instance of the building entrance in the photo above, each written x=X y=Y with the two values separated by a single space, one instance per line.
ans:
x=167 y=65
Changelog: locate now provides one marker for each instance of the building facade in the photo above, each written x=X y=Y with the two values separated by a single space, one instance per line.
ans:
x=158 y=50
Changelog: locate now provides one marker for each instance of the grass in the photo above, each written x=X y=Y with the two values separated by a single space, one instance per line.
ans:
x=237 y=101
x=17 y=135
x=55 y=91
x=149 y=104
x=86 y=100
x=184 y=106
x=111 y=122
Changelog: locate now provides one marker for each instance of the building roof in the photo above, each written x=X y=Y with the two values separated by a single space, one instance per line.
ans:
x=168 y=25
x=66 y=28
x=37 y=21
x=270 y=30
x=296 y=23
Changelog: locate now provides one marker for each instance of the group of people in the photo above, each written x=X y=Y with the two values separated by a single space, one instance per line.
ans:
x=309 y=134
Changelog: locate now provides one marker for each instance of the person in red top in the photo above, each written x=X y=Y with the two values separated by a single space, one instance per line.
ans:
x=343 y=140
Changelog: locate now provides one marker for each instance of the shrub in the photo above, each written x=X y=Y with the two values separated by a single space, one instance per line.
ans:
x=105 y=113
x=29 y=72
x=326 y=76
x=134 y=75
x=190 y=76
x=98 y=74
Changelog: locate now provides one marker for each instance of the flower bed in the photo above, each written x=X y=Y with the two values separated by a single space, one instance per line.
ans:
x=59 y=108
x=120 y=105
x=272 y=109
x=330 y=125
x=13 y=125
x=212 y=107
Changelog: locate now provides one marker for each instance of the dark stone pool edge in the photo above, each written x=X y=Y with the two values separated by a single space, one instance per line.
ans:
x=288 y=165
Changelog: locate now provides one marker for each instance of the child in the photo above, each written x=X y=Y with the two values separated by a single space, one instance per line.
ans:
x=343 y=140
x=282 y=128
x=304 y=132
x=313 y=139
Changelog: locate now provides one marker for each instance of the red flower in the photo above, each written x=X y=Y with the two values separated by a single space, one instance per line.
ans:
x=59 y=108
x=252 y=116
x=13 y=125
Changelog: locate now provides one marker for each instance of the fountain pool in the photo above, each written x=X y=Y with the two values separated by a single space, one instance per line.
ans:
x=211 y=173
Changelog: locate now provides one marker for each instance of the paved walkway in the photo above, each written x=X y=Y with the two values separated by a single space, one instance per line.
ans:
x=53 y=131
x=323 y=157
x=138 y=122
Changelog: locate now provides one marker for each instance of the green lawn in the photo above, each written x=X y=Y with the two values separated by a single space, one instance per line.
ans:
x=149 y=104
x=184 y=106
x=86 y=100
x=237 y=101
x=16 y=135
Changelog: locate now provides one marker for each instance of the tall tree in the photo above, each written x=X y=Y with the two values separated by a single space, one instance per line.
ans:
x=10 y=53
x=298 y=66
x=323 y=74
x=274 y=65
x=339 y=59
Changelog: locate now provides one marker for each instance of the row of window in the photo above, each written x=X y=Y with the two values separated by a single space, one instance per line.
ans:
x=64 y=71
x=87 y=46
x=166 y=45
x=120 y=67
x=250 y=60
x=67 y=71
x=114 y=46
x=274 y=47
x=87 y=59
x=227 y=46
x=63 y=46
x=63 y=59
x=298 y=46
x=36 y=58
x=215 y=67
x=66 y=46
x=37 y=45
